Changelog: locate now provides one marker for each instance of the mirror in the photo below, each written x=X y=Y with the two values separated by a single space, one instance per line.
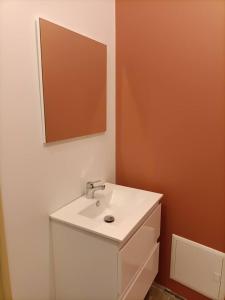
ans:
x=73 y=71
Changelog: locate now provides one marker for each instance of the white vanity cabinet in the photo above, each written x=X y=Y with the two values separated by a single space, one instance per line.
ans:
x=89 y=266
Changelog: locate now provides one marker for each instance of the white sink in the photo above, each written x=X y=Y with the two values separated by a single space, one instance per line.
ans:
x=115 y=202
x=128 y=206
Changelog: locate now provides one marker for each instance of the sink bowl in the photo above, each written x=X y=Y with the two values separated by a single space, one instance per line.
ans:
x=112 y=202
x=128 y=207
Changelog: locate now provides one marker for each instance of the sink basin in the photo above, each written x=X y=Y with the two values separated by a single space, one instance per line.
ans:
x=112 y=202
x=128 y=207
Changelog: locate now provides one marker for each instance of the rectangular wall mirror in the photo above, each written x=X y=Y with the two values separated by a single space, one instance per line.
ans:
x=73 y=71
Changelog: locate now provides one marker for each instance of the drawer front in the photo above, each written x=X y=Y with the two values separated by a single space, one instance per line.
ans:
x=135 y=253
x=145 y=278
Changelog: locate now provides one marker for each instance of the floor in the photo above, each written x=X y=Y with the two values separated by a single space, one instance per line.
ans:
x=157 y=293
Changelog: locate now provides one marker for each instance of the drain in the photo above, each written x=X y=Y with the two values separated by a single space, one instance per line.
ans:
x=109 y=219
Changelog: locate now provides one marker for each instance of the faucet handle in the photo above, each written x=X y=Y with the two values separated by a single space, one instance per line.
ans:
x=91 y=184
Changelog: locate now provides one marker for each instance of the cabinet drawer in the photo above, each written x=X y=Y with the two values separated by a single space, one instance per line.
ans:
x=144 y=279
x=135 y=253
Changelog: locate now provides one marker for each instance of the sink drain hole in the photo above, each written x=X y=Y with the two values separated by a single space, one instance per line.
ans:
x=109 y=219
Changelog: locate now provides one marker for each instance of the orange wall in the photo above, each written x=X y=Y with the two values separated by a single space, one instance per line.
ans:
x=170 y=115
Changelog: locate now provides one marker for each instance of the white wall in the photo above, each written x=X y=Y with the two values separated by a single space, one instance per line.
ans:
x=37 y=179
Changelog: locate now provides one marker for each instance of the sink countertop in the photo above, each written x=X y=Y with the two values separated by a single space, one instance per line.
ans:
x=138 y=204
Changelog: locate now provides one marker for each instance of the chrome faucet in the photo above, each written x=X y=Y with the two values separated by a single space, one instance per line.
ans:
x=91 y=187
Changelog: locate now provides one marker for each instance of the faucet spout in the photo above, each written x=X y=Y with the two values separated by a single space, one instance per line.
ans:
x=92 y=187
